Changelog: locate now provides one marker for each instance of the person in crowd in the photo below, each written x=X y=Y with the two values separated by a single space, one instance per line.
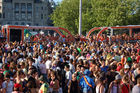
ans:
x=68 y=77
x=86 y=83
x=54 y=84
x=114 y=86
x=100 y=88
x=136 y=88
x=44 y=85
x=7 y=85
x=125 y=86
x=73 y=85
x=80 y=66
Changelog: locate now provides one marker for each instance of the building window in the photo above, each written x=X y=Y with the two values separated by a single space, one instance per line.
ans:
x=36 y=24
x=29 y=24
x=42 y=8
x=7 y=0
x=41 y=16
x=23 y=16
x=16 y=6
x=9 y=15
x=3 y=8
x=3 y=15
x=23 y=7
x=22 y=23
x=0 y=15
x=45 y=8
x=37 y=15
x=29 y=7
x=16 y=23
x=37 y=9
x=8 y=23
x=29 y=15
x=17 y=16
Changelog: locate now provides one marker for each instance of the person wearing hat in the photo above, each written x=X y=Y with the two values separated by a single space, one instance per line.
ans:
x=126 y=68
x=45 y=86
x=114 y=86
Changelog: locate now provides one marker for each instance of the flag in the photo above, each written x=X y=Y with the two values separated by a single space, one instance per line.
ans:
x=27 y=33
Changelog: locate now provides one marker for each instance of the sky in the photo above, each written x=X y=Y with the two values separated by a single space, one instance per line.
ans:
x=57 y=0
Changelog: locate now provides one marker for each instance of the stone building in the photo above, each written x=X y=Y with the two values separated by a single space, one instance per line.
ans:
x=25 y=12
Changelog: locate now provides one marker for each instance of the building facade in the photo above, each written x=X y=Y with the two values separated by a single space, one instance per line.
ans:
x=25 y=12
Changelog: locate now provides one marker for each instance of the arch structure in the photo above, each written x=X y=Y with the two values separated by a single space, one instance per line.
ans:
x=56 y=29
x=102 y=29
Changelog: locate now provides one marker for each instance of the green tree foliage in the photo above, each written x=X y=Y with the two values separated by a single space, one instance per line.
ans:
x=95 y=13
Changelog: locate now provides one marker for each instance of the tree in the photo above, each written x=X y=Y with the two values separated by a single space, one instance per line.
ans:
x=95 y=13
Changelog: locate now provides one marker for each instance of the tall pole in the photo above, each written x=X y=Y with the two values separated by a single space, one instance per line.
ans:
x=80 y=17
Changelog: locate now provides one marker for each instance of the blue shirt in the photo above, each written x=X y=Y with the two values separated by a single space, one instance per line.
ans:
x=84 y=85
x=104 y=69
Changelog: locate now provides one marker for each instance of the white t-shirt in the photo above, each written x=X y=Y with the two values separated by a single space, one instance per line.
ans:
x=10 y=86
x=81 y=57
x=42 y=68
x=72 y=68
x=48 y=64
x=68 y=76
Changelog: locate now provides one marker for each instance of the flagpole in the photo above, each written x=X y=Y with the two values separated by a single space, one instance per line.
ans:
x=80 y=17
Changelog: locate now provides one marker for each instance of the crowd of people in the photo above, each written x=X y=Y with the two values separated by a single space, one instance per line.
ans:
x=69 y=67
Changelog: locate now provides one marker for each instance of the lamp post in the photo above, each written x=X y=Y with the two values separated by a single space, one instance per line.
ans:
x=80 y=17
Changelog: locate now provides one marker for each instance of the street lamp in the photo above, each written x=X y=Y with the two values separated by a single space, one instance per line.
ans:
x=80 y=17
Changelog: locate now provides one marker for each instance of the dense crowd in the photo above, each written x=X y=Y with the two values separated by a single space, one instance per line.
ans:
x=69 y=67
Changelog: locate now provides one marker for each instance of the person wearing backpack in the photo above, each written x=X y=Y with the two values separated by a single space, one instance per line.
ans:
x=86 y=83
x=125 y=87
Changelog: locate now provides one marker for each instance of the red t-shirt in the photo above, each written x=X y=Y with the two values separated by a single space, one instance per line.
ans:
x=138 y=58
x=125 y=88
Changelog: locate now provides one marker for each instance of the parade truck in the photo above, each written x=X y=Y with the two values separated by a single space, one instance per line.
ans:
x=20 y=33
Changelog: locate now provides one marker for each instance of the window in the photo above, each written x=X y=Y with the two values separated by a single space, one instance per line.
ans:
x=22 y=23
x=36 y=24
x=29 y=7
x=42 y=7
x=8 y=23
x=37 y=15
x=41 y=16
x=23 y=16
x=17 y=16
x=7 y=0
x=16 y=6
x=8 y=15
x=3 y=8
x=23 y=7
x=29 y=24
x=0 y=15
x=3 y=15
x=16 y=23
x=29 y=15
x=38 y=8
